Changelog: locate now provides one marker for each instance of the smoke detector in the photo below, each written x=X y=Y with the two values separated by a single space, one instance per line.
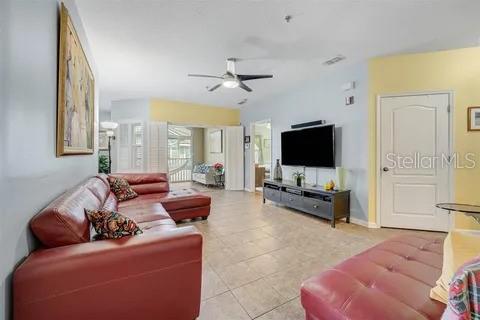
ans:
x=334 y=60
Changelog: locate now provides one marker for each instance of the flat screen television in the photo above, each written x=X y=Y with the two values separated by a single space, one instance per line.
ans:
x=311 y=147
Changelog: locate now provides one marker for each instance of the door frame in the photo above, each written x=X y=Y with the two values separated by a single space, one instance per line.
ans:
x=251 y=159
x=378 y=154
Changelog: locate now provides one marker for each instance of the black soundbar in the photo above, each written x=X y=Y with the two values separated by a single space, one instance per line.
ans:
x=308 y=124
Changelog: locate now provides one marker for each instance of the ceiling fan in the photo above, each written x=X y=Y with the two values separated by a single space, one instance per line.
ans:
x=232 y=80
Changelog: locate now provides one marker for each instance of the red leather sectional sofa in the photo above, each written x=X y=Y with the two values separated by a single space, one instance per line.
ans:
x=390 y=281
x=155 y=275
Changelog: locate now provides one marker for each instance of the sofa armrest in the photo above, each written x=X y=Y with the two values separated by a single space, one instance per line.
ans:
x=73 y=282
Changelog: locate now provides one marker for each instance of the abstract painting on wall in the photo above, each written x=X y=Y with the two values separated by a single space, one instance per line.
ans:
x=75 y=110
x=215 y=141
x=473 y=119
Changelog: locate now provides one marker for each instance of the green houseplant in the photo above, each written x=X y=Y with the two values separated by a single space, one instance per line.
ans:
x=102 y=164
x=298 y=177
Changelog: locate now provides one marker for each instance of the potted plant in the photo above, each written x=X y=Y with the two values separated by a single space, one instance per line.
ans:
x=218 y=167
x=298 y=177
x=103 y=164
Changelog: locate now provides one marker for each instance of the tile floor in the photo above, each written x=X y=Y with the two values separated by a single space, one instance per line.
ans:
x=257 y=255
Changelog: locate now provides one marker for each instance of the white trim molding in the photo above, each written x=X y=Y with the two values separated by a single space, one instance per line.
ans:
x=363 y=223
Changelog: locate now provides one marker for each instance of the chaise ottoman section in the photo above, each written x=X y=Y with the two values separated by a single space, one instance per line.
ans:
x=180 y=204
x=389 y=281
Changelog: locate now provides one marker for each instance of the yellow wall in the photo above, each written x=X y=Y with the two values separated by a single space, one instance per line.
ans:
x=455 y=70
x=191 y=113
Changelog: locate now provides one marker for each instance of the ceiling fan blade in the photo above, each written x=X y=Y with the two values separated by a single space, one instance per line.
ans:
x=244 y=86
x=203 y=76
x=215 y=87
x=246 y=77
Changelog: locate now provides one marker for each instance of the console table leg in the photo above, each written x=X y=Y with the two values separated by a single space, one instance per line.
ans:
x=263 y=200
x=348 y=219
x=333 y=223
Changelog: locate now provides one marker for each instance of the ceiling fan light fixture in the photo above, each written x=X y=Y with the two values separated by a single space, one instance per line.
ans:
x=230 y=83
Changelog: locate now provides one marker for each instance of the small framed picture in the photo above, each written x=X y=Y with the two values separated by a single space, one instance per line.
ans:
x=102 y=140
x=474 y=119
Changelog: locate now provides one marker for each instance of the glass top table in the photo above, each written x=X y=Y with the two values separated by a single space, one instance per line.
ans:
x=468 y=209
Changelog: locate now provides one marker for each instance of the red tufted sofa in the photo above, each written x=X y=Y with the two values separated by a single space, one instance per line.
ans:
x=390 y=281
x=155 y=275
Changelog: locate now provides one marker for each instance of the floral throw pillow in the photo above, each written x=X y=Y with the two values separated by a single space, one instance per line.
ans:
x=122 y=189
x=111 y=224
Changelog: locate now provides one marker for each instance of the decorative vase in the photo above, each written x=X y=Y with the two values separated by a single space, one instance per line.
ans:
x=277 y=172
x=340 y=178
x=299 y=181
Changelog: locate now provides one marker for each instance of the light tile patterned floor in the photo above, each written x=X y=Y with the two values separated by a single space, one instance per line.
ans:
x=257 y=255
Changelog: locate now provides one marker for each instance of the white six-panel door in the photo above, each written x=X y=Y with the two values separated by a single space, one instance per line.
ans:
x=413 y=131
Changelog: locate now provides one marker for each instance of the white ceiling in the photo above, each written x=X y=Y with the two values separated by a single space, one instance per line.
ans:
x=146 y=48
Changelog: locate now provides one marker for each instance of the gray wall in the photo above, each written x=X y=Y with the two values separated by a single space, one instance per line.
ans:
x=323 y=99
x=130 y=109
x=31 y=175
x=104 y=115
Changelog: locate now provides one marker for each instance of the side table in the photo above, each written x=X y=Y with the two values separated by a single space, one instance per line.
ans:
x=467 y=209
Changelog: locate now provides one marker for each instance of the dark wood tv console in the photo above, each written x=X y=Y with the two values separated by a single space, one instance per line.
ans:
x=329 y=205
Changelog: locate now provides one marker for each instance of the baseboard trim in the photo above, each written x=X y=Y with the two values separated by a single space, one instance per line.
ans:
x=360 y=222
x=472 y=231
x=373 y=225
x=363 y=223
x=248 y=190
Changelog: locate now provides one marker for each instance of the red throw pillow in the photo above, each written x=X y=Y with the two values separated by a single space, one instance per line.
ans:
x=111 y=224
x=121 y=188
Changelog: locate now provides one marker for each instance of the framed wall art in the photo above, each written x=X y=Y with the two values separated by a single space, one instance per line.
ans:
x=76 y=86
x=102 y=140
x=473 y=119
x=216 y=141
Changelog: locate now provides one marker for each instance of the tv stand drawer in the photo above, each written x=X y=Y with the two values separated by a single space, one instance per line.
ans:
x=272 y=194
x=292 y=200
x=318 y=207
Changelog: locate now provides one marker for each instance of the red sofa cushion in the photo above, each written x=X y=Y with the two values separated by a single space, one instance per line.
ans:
x=389 y=281
x=63 y=222
x=111 y=203
x=145 y=212
x=99 y=187
x=145 y=183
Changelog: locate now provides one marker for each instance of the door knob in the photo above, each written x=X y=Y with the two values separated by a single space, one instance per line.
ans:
x=385 y=169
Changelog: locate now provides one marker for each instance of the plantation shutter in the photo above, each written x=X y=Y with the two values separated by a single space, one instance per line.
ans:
x=157 y=147
x=130 y=148
x=123 y=159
